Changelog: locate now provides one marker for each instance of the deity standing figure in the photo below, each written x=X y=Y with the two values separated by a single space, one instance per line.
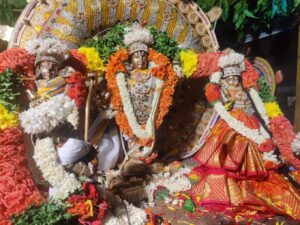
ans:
x=237 y=165
x=56 y=83
x=141 y=82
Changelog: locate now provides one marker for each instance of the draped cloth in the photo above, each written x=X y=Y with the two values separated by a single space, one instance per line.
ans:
x=233 y=176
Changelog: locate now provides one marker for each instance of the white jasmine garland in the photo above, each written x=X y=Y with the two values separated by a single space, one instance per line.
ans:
x=129 y=111
x=73 y=118
x=296 y=144
x=136 y=216
x=48 y=115
x=258 y=136
x=45 y=156
x=176 y=182
x=259 y=105
x=215 y=77
x=270 y=156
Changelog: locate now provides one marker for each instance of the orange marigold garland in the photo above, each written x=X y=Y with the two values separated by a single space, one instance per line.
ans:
x=164 y=71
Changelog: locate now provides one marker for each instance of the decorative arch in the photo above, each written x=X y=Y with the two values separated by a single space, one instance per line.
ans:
x=74 y=21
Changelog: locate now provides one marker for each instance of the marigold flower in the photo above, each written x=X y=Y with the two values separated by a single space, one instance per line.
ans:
x=212 y=92
x=189 y=60
x=273 y=109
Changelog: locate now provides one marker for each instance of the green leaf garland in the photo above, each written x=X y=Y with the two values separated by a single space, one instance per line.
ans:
x=10 y=89
x=46 y=214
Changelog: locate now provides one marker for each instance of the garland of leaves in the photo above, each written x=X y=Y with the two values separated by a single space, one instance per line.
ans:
x=265 y=90
x=47 y=213
x=112 y=41
x=10 y=84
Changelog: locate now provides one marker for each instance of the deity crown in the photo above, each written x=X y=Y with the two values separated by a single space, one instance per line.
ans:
x=137 y=38
x=232 y=64
x=47 y=49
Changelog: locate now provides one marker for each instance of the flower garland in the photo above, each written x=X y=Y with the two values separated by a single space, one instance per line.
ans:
x=94 y=62
x=137 y=129
x=189 y=60
x=259 y=105
x=136 y=216
x=20 y=62
x=77 y=88
x=163 y=71
x=7 y=119
x=282 y=130
x=18 y=190
x=89 y=207
x=176 y=182
x=47 y=115
x=45 y=156
x=258 y=136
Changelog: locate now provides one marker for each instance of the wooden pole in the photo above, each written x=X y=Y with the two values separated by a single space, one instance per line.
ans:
x=297 y=108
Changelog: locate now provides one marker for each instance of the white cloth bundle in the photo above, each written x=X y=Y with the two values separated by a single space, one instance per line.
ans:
x=72 y=151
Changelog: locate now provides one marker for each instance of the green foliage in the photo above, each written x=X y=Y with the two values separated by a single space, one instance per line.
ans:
x=164 y=44
x=46 y=214
x=109 y=43
x=252 y=17
x=10 y=85
x=10 y=10
x=265 y=90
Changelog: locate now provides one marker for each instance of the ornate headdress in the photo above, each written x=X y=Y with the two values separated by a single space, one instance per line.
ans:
x=232 y=64
x=138 y=38
x=49 y=49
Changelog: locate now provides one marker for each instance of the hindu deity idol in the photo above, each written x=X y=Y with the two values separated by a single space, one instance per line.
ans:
x=54 y=109
x=237 y=165
x=141 y=82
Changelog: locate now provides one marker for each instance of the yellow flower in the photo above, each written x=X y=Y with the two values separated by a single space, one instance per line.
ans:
x=273 y=109
x=189 y=60
x=7 y=119
x=94 y=61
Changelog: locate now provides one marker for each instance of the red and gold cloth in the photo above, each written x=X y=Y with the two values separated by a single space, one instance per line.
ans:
x=233 y=175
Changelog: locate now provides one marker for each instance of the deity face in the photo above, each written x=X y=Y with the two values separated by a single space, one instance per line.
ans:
x=47 y=69
x=233 y=81
x=139 y=60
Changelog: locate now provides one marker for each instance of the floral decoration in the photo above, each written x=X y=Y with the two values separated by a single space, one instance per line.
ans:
x=189 y=60
x=20 y=62
x=7 y=119
x=250 y=76
x=273 y=109
x=94 y=61
x=163 y=71
x=46 y=116
x=207 y=64
x=212 y=92
x=17 y=188
x=77 y=88
x=62 y=182
x=89 y=207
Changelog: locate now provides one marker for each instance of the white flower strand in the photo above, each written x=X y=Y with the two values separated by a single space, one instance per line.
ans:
x=296 y=144
x=47 y=115
x=73 y=118
x=129 y=112
x=270 y=156
x=45 y=156
x=215 y=77
x=259 y=105
x=176 y=182
x=258 y=136
x=136 y=216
